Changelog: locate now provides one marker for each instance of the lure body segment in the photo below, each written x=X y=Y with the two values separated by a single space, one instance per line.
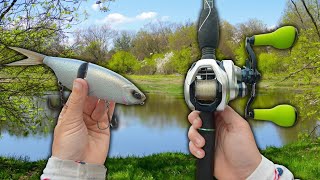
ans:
x=103 y=83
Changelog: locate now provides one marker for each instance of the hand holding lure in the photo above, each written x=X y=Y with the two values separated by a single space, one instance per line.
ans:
x=103 y=83
x=211 y=84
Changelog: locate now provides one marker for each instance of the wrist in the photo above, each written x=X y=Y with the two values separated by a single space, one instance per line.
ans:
x=249 y=167
x=67 y=169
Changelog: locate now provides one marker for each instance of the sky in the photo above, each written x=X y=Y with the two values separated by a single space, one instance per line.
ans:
x=132 y=15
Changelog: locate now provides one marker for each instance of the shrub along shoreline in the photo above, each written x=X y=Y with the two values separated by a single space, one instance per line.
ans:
x=302 y=158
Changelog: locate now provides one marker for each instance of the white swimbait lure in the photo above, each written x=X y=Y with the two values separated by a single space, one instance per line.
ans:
x=103 y=83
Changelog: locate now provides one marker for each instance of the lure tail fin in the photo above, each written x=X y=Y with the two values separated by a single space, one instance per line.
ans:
x=33 y=58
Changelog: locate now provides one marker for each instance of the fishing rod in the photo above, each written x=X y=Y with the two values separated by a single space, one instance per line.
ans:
x=210 y=84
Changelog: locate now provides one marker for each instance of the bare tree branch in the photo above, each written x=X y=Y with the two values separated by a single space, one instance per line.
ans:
x=318 y=10
x=314 y=129
x=298 y=71
x=7 y=10
x=312 y=18
x=296 y=8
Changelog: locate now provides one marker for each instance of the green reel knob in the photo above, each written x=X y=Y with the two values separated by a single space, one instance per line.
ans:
x=283 y=38
x=282 y=115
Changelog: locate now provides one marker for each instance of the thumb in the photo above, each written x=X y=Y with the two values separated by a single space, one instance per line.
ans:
x=230 y=117
x=77 y=97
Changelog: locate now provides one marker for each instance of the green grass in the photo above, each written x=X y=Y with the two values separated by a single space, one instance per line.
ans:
x=159 y=84
x=302 y=158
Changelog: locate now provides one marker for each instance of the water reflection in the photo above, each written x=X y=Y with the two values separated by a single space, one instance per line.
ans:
x=159 y=112
x=161 y=126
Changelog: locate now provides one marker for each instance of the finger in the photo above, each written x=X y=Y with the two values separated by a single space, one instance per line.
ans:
x=90 y=105
x=194 y=119
x=77 y=98
x=111 y=109
x=195 y=137
x=99 y=110
x=63 y=111
x=197 y=152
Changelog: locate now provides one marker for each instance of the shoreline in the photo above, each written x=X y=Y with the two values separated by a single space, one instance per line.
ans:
x=300 y=157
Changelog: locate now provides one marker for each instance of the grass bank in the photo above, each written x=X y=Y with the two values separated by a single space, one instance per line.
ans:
x=159 y=84
x=302 y=158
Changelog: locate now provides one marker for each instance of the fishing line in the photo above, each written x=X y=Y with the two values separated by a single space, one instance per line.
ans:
x=207 y=16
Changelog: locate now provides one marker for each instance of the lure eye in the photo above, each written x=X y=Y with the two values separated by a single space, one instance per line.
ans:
x=136 y=94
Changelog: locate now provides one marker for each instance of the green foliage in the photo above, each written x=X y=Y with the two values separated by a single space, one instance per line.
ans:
x=270 y=63
x=241 y=55
x=123 y=62
x=185 y=36
x=180 y=62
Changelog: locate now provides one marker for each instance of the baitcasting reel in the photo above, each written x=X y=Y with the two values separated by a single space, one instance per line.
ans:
x=210 y=84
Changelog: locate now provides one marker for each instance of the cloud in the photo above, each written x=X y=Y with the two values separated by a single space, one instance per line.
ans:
x=95 y=7
x=146 y=15
x=117 y=18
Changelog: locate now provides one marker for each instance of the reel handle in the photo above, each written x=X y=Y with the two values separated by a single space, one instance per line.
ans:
x=282 y=38
x=205 y=165
x=282 y=115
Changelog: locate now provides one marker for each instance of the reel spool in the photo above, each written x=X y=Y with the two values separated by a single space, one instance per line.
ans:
x=206 y=90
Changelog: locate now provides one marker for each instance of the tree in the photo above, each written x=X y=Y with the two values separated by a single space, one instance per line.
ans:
x=152 y=40
x=92 y=43
x=123 y=42
x=249 y=28
x=228 y=41
x=184 y=36
x=303 y=14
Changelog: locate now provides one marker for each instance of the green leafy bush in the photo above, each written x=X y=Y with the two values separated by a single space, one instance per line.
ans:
x=123 y=62
x=180 y=62
x=270 y=63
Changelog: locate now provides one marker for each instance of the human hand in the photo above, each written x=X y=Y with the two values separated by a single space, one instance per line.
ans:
x=76 y=135
x=236 y=152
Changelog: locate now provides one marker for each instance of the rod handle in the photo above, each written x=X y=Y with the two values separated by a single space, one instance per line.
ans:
x=205 y=166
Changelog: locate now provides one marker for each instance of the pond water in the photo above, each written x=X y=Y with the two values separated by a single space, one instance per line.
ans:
x=161 y=126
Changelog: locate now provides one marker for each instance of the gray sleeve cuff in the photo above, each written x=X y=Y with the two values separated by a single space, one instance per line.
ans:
x=67 y=169
x=267 y=170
